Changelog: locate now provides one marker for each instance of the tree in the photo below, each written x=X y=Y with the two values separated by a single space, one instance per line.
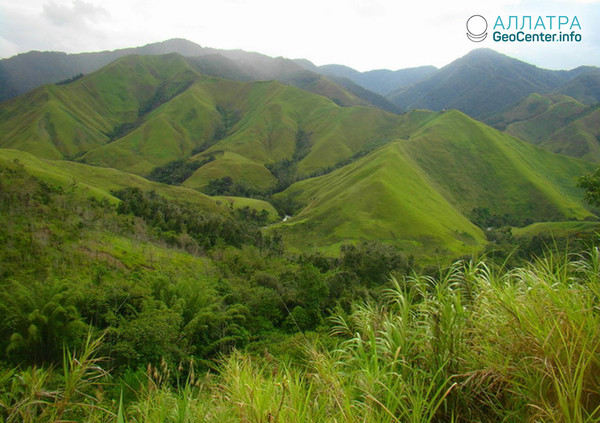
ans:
x=591 y=184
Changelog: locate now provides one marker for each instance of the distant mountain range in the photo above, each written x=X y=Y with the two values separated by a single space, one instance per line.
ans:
x=344 y=171
x=24 y=72
x=480 y=84
x=557 y=110
x=484 y=82
x=381 y=81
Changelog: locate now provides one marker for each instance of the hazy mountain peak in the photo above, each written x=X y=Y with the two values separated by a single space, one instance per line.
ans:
x=178 y=45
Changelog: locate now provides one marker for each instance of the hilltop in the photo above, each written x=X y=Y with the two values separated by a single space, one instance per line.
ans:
x=345 y=173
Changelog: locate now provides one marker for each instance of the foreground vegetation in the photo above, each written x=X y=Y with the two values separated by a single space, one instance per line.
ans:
x=153 y=310
x=476 y=343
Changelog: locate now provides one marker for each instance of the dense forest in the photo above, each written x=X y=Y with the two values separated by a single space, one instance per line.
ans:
x=147 y=309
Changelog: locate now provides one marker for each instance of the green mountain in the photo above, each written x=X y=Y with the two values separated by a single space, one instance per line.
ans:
x=421 y=191
x=361 y=92
x=24 y=72
x=99 y=183
x=480 y=84
x=142 y=112
x=414 y=180
x=68 y=120
x=558 y=123
x=584 y=86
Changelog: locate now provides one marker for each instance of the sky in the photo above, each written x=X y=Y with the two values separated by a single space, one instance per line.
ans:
x=363 y=34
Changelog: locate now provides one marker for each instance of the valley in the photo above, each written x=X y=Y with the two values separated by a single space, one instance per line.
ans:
x=193 y=234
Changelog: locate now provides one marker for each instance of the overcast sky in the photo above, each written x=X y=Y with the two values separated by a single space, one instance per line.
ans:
x=363 y=34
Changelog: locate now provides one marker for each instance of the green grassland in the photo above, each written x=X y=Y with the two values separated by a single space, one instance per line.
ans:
x=166 y=304
x=557 y=229
x=98 y=181
x=419 y=192
x=579 y=138
x=477 y=166
x=381 y=196
x=170 y=132
x=253 y=175
x=540 y=126
x=411 y=180
x=558 y=123
x=68 y=120
x=142 y=112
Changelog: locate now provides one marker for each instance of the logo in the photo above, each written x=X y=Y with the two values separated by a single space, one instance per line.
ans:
x=476 y=28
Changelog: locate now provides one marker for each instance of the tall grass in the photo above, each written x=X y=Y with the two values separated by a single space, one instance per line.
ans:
x=40 y=395
x=536 y=329
x=475 y=343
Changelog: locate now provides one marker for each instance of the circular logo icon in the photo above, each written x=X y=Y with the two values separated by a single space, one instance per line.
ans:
x=476 y=28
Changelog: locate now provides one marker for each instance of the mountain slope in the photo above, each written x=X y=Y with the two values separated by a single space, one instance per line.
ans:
x=142 y=112
x=480 y=84
x=557 y=123
x=281 y=125
x=27 y=71
x=382 y=196
x=68 y=120
x=584 y=86
x=413 y=180
x=24 y=72
x=99 y=182
x=580 y=138
x=361 y=92
x=420 y=191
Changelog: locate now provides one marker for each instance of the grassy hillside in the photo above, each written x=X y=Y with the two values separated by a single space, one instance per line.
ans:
x=142 y=112
x=98 y=182
x=68 y=120
x=579 y=138
x=478 y=166
x=413 y=180
x=25 y=72
x=584 y=86
x=254 y=123
x=557 y=229
x=381 y=196
x=420 y=192
x=558 y=123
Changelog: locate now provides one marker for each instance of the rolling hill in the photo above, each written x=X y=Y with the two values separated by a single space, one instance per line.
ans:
x=421 y=191
x=99 y=182
x=413 y=180
x=584 y=86
x=142 y=112
x=24 y=72
x=557 y=122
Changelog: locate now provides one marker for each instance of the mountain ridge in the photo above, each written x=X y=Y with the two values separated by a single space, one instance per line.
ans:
x=22 y=73
x=423 y=174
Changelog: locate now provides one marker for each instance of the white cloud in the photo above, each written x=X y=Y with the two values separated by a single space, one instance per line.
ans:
x=76 y=14
x=364 y=34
